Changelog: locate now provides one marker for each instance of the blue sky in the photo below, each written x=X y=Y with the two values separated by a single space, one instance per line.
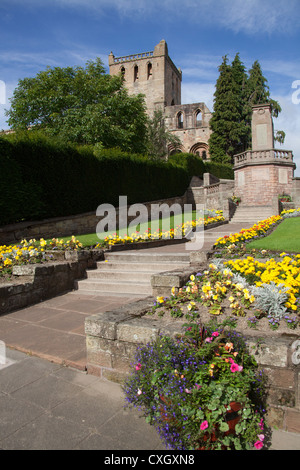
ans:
x=39 y=33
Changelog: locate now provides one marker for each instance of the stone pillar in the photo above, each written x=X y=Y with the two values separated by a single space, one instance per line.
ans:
x=262 y=127
x=263 y=173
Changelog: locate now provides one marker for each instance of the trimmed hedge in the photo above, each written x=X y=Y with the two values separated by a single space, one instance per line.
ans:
x=41 y=178
x=195 y=166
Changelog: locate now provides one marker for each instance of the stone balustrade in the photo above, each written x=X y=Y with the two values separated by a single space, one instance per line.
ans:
x=263 y=156
x=127 y=58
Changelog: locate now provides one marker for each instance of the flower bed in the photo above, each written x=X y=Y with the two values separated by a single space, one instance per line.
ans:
x=190 y=388
x=33 y=252
x=220 y=291
x=235 y=241
x=180 y=231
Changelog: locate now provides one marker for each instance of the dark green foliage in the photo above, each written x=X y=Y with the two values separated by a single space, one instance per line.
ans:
x=236 y=93
x=195 y=166
x=220 y=170
x=43 y=178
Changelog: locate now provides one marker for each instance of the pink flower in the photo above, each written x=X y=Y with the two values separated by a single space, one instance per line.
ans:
x=209 y=340
x=261 y=424
x=258 y=445
x=261 y=437
x=204 y=425
x=234 y=367
x=138 y=366
x=215 y=333
x=187 y=390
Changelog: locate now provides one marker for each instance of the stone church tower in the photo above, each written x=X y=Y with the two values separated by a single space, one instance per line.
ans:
x=154 y=75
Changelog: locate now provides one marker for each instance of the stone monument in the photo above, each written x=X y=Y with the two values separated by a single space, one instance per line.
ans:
x=263 y=173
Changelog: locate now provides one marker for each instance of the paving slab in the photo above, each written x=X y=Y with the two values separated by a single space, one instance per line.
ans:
x=47 y=406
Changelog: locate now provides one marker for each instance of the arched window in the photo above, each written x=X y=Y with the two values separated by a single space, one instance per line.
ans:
x=149 y=70
x=180 y=120
x=136 y=73
x=200 y=149
x=123 y=72
x=198 y=118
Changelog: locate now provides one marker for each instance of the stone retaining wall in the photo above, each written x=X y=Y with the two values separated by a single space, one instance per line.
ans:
x=66 y=226
x=44 y=281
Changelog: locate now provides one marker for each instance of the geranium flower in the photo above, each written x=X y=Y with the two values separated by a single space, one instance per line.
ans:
x=234 y=367
x=204 y=425
x=258 y=445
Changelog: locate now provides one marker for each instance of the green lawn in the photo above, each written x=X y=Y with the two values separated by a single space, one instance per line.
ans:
x=285 y=238
x=91 y=239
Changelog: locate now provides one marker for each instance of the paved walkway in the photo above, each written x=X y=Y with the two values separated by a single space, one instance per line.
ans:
x=45 y=405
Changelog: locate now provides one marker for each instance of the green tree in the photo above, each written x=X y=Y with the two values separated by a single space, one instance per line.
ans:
x=258 y=92
x=83 y=105
x=227 y=125
x=236 y=92
x=159 y=137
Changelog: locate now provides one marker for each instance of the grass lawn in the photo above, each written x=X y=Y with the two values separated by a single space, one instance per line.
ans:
x=285 y=238
x=91 y=239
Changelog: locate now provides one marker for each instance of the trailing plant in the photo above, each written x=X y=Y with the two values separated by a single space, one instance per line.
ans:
x=189 y=387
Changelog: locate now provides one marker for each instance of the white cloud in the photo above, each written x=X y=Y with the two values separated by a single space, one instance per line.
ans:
x=249 y=16
x=198 y=92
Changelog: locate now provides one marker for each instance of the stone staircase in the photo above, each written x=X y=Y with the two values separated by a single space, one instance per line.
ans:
x=129 y=273
x=251 y=214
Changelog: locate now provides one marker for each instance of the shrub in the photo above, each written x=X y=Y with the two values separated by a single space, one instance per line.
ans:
x=42 y=177
x=196 y=166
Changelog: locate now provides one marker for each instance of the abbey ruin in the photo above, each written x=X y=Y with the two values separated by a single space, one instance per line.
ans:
x=156 y=76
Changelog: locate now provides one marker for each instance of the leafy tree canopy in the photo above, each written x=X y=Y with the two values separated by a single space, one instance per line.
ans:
x=81 y=105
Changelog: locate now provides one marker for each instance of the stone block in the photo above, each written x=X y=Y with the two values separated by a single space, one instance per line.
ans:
x=138 y=330
x=24 y=270
x=270 y=352
x=281 y=397
x=275 y=417
x=283 y=378
x=96 y=354
x=104 y=325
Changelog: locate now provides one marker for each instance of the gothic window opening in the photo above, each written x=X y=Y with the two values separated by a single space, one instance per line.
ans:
x=149 y=70
x=198 y=118
x=123 y=72
x=180 y=120
x=136 y=73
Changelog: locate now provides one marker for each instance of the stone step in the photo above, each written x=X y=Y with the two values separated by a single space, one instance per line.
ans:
x=139 y=257
x=139 y=267
x=119 y=276
x=251 y=214
x=102 y=286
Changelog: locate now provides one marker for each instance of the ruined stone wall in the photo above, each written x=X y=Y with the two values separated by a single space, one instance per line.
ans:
x=152 y=74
